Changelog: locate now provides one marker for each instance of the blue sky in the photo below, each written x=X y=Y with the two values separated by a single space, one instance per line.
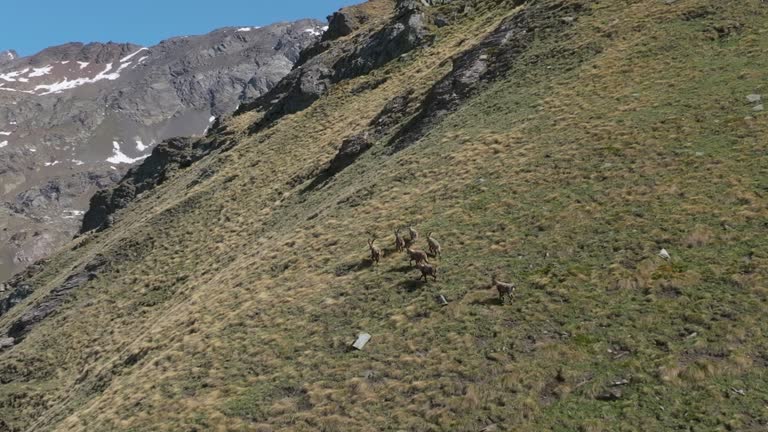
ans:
x=31 y=25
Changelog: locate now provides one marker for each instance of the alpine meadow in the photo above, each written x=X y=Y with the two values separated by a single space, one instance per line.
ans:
x=587 y=181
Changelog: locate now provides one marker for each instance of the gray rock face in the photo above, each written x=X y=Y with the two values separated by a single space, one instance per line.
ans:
x=7 y=342
x=100 y=53
x=351 y=149
x=392 y=113
x=400 y=37
x=330 y=61
x=343 y=23
x=486 y=62
x=50 y=303
x=75 y=117
x=18 y=288
x=172 y=154
x=8 y=56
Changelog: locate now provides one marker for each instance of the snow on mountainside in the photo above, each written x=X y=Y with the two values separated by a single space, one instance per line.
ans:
x=74 y=117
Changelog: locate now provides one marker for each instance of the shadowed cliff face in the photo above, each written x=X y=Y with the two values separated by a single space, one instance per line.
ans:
x=75 y=117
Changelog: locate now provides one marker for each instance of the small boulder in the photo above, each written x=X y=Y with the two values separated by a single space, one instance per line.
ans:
x=362 y=339
x=754 y=97
x=7 y=342
x=610 y=395
x=351 y=148
x=441 y=21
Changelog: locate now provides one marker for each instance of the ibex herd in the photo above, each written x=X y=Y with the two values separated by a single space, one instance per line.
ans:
x=420 y=259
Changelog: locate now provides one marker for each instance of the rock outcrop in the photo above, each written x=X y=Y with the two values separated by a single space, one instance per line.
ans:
x=333 y=60
x=172 y=154
x=8 y=56
x=484 y=63
x=50 y=303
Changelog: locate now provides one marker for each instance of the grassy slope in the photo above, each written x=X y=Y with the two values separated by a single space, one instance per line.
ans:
x=240 y=296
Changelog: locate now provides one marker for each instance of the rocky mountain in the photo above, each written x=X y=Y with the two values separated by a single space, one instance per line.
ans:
x=595 y=176
x=74 y=117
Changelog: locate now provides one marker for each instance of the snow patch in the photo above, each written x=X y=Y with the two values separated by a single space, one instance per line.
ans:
x=54 y=163
x=140 y=145
x=77 y=162
x=3 y=144
x=105 y=75
x=14 y=90
x=72 y=214
x=65 y=62
x=83 y=65
x=38 y=72
x=5 y=133
x=212 y=119
x=130 y=56
x=122 y=66
x=244 y=29
x=11 y=76
x=68 y=85
x=140 y=60
x=317 y=31
x=118 y=157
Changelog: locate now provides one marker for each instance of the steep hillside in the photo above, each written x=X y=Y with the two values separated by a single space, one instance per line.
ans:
x=75 y=116
x=559 y=143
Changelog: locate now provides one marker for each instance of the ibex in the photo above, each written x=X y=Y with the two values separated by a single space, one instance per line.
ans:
x=434 y=246
x=399 y=241
x=505 y=289
x=413 y=235
x=427 y=270
x=376 y=253
x=417 y=256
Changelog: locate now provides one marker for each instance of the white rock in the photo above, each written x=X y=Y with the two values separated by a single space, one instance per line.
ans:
x=362 y=339
x=7 y=342
x=664 y=254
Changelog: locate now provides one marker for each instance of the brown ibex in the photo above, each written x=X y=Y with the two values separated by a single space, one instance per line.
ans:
x=376 y=253
x=505 y=289
x=399 y=241
x=434 y=246
x=413 y=235
x=417 y=256
x=427 y=270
